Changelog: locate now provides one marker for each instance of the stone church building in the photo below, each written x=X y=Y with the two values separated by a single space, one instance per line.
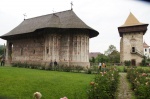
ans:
x=131 y=43
x=61 y=36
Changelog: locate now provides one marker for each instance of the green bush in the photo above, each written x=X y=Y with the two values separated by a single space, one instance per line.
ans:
x=140 y=80
x=104 y=86
x=127 y=63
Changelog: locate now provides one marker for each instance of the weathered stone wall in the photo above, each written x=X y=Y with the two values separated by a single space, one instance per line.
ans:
x=128 y=41
x=69 y=48
x=28 y=50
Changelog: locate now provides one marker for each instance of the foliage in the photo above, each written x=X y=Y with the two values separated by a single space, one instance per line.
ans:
x=110 y=50
x=110 y=56
x=101 y=58
x=143 y=62
x=140 y=80
x=114 y=57
x=21 y=83
x=92 y=60
x=1 y=49
x=64 y=68
x=127 y=63
x=104 y=86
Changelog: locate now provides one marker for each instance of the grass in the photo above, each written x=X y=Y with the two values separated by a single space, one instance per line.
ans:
x=21 y=83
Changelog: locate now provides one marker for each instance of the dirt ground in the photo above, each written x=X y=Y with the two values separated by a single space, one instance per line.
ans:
x=124 y=91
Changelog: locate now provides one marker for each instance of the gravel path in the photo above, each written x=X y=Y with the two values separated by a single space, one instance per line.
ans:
x=124 y=91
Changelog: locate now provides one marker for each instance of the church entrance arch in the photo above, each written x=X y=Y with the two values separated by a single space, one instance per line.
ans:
x=133 y=62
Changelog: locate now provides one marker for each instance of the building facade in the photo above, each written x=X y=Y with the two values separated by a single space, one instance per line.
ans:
x=131 y=43
x=146 y=50
x=61 y=37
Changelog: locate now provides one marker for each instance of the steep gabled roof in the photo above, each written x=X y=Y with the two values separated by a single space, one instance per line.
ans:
x=62 y=20
x=145 y=45
x=131 y=21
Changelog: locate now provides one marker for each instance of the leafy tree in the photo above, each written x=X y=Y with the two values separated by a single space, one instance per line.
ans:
x=112 y=54
x=101 y=58
x=114 y=57
x=110 y=50
x=92 y=60
x=1 y=49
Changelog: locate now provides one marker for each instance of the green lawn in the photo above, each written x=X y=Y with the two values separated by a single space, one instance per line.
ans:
x=21 y=83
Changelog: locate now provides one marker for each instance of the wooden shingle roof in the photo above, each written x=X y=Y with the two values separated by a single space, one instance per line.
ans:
x=132 y=25
x=131 y=21
x=62 y=20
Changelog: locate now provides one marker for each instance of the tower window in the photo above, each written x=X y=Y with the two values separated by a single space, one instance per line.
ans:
x=145 y=50
x=133 y=49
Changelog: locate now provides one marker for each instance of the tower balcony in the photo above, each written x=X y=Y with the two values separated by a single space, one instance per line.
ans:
x=135 y=51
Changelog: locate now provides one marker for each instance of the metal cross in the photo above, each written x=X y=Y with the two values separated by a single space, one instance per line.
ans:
x=24 y=16
x=71 y=5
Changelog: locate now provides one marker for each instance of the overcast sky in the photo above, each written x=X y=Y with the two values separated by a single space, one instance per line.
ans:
x=105 y=16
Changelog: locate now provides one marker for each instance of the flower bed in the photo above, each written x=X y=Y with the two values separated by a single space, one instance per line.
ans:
x=104 y=85
x=140 y=80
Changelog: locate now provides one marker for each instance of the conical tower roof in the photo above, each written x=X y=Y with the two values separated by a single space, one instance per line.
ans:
x=131 y=21
x=132 y=25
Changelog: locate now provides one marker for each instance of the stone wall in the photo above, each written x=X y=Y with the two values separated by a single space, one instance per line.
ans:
x=71 y=48
x=128 y=41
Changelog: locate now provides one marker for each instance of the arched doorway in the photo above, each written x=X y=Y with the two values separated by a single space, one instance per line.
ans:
x=133 y=62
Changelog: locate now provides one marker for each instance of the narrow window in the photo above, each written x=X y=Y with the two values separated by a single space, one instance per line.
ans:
x=133 y=49
x=33 y=51
x=145 y=50
x=21 y=51
x=47 y=50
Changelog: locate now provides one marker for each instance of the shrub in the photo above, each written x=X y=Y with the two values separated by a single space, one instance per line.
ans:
x=127 y=63
x=140 y=80
x=104 y=86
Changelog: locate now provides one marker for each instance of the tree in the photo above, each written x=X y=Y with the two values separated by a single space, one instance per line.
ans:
x=112 y=54
x=1 y=50
x=101 y=58
x=114 y=57
x=92 y=60
x=110 y=50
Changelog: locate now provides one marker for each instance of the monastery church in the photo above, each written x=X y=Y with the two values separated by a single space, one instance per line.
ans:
x=64 y=37
x=131 y=43
x=61 y=37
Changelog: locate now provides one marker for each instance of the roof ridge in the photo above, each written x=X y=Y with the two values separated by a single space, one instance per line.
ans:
x=48 y=14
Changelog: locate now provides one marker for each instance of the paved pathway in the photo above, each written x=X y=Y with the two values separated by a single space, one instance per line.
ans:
x=124 y=91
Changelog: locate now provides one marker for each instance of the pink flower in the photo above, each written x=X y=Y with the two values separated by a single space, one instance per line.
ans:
x=92 y=83
x=144 y=74
x=146 y=83
x=37 y=95
x=64 y=98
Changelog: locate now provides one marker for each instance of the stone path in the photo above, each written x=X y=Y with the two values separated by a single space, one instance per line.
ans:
x=124 y=91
